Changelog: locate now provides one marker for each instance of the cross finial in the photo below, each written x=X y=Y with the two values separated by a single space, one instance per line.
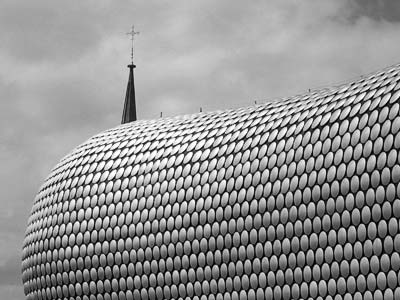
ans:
x=132 y=33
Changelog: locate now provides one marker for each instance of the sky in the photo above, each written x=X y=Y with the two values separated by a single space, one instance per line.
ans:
x=63 y=73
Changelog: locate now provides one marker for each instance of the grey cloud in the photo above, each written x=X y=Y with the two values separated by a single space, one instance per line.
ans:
x=10 y=279
x=9 y=274
x=40 y=31
x=388 y=10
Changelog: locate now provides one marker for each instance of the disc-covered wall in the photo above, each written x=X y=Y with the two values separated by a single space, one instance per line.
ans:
x=297 y=198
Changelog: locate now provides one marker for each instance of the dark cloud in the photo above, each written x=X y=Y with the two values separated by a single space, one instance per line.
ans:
x=388 y=10
x=63 y=74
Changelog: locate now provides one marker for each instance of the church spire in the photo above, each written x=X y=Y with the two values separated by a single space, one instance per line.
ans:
x=129 y=113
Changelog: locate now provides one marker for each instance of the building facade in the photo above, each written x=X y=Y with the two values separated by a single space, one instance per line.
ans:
x=291 y=199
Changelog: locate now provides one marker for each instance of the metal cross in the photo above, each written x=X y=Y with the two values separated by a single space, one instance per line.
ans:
x=132 y=33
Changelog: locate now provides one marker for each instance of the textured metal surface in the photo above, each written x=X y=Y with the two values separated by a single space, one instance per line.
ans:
x=298 y=198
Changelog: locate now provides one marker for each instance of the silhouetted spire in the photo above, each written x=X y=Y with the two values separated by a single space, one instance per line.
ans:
x=129 y=114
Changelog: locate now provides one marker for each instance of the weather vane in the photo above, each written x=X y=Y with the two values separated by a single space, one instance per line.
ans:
x=132 y=33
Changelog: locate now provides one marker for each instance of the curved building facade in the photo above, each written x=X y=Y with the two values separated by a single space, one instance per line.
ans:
x=293 y=199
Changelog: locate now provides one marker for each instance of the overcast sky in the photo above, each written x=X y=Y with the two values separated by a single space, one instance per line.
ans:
x=63 y=73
